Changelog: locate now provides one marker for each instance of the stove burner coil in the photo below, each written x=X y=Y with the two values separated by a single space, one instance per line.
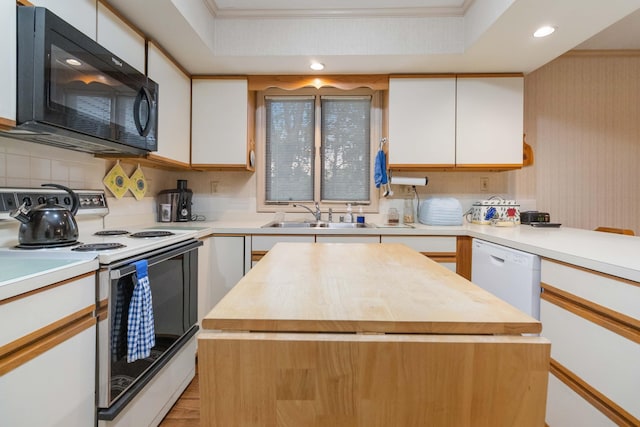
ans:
x=152 y=234
x=47 y=245
x=98 y=247
x=110 y=233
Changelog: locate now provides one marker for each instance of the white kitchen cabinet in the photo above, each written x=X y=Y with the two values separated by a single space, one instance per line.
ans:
x=489 y=121
x=8 y=70
x=221 y=124
x=456 y=122
x=119 y=38
x=79 y=13
x=422 y=121
x=222 y=265
x=591 y=319
x=48 y=356
x=174 y=108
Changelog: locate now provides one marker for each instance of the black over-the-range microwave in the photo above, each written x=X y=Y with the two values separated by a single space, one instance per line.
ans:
x=75 y=94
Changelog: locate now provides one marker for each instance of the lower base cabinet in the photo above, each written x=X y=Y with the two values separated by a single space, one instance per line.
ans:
x=221 y=265
x=57 y=388
x=592 y=322
x=48 y=356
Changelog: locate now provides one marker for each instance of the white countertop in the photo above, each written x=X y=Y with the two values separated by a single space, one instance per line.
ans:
x=608 y=253
x=614 y=254
x=24 y=272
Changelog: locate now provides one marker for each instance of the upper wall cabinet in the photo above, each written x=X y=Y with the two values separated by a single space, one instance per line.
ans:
x=8 y=70
x=79 y=13
x=174 y=109
x=455 y=123
x=222 y=124
x=422 y=122
x=489 y=122
x=118 y=37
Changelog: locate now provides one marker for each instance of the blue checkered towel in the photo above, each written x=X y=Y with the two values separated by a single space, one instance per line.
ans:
x=140 y=329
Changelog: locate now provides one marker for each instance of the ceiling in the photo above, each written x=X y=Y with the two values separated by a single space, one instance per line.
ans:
x=379 y=36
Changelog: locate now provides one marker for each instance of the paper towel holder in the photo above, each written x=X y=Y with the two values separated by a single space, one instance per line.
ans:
x=406 y=180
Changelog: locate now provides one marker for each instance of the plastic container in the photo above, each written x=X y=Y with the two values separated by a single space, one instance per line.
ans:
x=407 y=214
x=348 y=217
x=360 y=219
x=393 y=217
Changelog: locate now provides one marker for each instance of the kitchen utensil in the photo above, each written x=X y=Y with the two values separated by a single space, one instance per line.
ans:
x=48 y=224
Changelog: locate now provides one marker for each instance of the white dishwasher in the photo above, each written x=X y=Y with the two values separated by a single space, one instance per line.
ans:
x=509 y=274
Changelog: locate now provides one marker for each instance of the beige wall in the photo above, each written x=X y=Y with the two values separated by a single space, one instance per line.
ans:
x=582 y=118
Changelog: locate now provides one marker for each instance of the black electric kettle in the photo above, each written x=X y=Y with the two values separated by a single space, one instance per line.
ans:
x=48 y=224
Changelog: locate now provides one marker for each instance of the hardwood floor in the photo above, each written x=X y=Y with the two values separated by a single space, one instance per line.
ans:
x=186 y=411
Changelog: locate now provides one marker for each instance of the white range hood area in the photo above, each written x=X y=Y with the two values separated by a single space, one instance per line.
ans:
x=408 y=36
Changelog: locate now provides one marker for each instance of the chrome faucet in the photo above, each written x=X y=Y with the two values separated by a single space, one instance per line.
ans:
x=317 y=213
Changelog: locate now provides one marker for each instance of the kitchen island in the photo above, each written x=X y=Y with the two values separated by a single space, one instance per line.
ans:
x=367 y=335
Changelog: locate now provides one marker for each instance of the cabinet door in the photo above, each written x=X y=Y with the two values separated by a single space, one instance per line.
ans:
x=56 y=388
x=489 y=121
x=225 y=263
x=174 y=105
x=422 y=121
x=79 y=13
x=219 y=123
x=8 y=59
x=116 y=36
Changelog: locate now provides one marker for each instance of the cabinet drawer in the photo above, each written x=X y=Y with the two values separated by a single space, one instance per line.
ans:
x=608 y=291
x=566 y=408
x=265 y=243
x=606 y=361
x=426 y=244
x=44 y=307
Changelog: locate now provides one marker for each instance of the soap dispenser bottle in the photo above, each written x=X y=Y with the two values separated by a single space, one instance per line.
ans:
x=349 y=215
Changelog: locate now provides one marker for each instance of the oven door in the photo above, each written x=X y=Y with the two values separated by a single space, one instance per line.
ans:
x=173 y=281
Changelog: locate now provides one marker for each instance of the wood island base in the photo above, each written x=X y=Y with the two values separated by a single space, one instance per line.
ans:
x=351 y=380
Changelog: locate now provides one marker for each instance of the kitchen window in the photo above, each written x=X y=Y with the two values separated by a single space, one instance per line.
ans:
x=317 y=145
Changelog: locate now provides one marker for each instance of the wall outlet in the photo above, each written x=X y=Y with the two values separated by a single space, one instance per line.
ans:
x=484 y=184
x=214 y=187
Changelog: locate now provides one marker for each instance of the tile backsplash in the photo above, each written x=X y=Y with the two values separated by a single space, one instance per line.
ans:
x=217 y=195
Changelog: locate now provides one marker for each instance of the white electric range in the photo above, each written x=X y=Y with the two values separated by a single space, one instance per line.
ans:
x=144 y=389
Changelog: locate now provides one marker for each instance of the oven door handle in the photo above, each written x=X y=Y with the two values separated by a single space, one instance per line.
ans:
x=130 y=268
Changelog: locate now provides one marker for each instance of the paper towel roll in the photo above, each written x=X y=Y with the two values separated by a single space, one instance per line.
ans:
x=405 y=180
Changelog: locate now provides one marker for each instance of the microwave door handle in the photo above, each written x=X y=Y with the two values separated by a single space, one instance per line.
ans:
x=117 y=273
x=143 y=96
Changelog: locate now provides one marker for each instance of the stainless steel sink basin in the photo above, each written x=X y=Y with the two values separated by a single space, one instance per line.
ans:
x=321 y=224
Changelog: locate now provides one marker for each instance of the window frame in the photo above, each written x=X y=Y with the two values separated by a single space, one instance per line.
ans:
x=376 y=124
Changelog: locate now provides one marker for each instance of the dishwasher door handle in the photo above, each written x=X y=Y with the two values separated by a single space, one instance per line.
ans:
x=496 y=260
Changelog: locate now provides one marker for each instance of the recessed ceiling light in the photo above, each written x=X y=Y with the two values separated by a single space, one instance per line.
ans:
x=544 y=31
x=73 y=61
x=316 y=66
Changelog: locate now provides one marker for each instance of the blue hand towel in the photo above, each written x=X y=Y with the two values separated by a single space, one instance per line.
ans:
x=380 y=169
x=140 y=329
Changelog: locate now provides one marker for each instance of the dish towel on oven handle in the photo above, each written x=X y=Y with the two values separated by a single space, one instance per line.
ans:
x=140 y=329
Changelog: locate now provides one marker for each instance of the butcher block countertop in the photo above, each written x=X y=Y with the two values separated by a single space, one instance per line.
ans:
x=389 y=338
x=362 y=288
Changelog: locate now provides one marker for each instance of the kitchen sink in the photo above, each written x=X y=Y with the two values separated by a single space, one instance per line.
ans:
x=321 y=224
